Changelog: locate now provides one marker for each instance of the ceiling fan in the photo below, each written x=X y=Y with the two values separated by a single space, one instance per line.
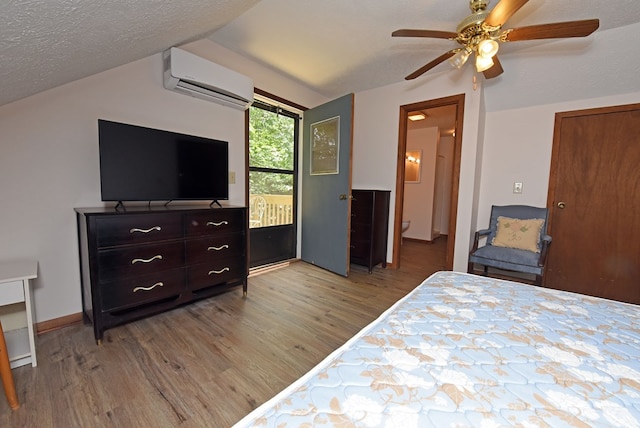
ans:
x=481 y=32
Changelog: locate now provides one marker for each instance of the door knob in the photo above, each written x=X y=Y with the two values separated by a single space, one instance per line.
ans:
x=343 y=197
x=561 y=205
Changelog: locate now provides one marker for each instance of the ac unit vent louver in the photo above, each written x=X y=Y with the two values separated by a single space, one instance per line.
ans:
x=190 y=74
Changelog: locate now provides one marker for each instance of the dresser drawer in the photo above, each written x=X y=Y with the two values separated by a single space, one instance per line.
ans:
x=131 y=292
x=215 y=273
x=369 y=227
x=361 y=231
x=136 y=229
x=214 y=222
x=360 y=250
x=361 y=206
x=120 y=263
x=215 y=247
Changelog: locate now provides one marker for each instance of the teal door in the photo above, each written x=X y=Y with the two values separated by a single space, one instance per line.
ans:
x=326 y=184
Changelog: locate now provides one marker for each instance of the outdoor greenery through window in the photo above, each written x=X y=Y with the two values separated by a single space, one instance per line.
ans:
x=273 y=133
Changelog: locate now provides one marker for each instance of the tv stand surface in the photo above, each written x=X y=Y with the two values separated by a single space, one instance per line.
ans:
x=147 y=260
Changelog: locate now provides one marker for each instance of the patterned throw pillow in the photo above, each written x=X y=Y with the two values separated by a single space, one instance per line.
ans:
x=518 y=233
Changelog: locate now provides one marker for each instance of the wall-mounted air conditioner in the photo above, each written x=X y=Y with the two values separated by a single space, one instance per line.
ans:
x=190 y=74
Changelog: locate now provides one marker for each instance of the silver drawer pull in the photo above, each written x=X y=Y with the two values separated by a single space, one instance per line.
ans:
x=157 y=284
x=220 y=223
x=158 y=257
x=211 y=272
x=151 y=229
x=222 y=247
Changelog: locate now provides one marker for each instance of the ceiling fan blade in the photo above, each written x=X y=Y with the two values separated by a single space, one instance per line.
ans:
x=554 y=30
x=495 y=71
x=503 y=11
x=425 y=33
x=419 y=72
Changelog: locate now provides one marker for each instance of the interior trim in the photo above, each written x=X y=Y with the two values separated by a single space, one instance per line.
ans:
x=458 y=101
x=58 y=323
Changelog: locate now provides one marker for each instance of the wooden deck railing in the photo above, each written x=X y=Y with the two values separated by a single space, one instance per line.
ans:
x=270 y=210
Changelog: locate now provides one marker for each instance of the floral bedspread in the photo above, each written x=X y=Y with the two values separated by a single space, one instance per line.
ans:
x=467 y=351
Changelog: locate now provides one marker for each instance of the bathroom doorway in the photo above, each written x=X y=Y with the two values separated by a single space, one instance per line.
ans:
x=428 y=170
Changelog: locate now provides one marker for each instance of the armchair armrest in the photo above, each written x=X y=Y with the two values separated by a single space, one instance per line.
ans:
x=545 y=242
x=479 y=233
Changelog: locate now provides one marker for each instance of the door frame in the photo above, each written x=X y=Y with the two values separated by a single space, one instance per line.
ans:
x=458 y=102
x=269 y=98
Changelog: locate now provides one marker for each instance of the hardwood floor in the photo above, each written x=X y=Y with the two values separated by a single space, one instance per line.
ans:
x=209 y=363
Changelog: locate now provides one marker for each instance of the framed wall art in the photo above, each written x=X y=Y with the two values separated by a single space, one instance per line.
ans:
x=325 y=145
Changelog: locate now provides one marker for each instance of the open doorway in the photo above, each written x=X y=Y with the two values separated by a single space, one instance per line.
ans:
x=272 y=185
x=449 y=114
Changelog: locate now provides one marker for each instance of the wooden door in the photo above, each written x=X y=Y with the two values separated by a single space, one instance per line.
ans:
x=594 y=198
x=326 y=184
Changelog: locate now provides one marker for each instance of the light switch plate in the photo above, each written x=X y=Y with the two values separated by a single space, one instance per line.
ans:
x=232 y=177
x=517 y=187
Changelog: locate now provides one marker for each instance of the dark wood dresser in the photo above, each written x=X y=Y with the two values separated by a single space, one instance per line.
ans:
x=142 y=261
x=369 y=227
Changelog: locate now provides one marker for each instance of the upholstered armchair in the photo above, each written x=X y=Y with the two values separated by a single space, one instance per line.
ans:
x=516 y=241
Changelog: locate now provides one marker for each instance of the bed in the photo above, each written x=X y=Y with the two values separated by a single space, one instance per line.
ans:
x=463 y=350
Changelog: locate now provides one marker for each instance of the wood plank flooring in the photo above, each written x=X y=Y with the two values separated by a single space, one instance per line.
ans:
x=210 y=363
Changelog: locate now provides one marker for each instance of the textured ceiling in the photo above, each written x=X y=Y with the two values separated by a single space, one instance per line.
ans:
x=46 y=43
x=338 y=46
x=331 y=46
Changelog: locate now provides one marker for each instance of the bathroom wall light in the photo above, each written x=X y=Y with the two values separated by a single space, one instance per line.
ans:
x=412 y=166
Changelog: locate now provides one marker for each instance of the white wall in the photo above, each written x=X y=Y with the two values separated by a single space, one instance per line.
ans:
x=49 y=160
x=518 y=148
x=444 y=182
x=49 y=152
x=375 y=147
x=50 y=165
x=419 y=197
x=498 y=130
x=493 y=117
x=555 y=71
x=538 y=82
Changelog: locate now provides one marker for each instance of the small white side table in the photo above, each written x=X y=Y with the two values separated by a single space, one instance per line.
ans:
x=14 y=288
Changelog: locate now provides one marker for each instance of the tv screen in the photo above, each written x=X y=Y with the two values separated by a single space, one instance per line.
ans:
x=144 y=164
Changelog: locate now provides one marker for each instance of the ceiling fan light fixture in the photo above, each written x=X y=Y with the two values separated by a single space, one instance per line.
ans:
x=459 y=59
x=488 y=48
x=481 y=33
x=483 y=63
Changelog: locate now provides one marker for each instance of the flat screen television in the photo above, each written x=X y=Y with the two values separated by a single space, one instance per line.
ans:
x=144 y=164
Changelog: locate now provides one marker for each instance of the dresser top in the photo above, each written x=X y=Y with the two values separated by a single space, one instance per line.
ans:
x=136 y=209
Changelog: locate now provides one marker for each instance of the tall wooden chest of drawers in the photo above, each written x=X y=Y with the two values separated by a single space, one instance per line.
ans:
x=141 y=261
x=369 y=227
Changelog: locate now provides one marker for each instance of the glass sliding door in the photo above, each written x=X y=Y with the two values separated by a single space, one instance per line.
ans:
x=273 y=136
